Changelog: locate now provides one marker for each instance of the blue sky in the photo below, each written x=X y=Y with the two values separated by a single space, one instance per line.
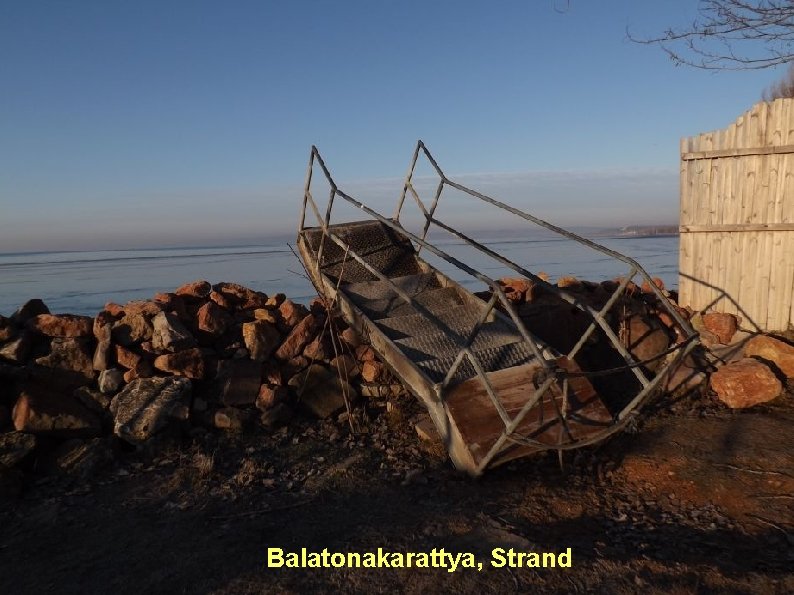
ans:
x=188 y=122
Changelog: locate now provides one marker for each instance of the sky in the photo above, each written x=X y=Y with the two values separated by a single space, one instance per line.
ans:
x=149 y=123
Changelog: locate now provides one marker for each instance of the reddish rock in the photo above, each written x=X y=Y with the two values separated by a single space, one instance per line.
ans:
x=213 y=319
x=148 y=308
x=291 y=313
x=221 y=300
x=261 y=339
x=646 y=287
x=780 y=353
x=241 y=297
x=275 y=300
x=346 y=366
x=745 y=383
x=515 y=289
x=298 y=338
x=171 y=302
x=197 y=289
x=101 y=321
x=371 y=371
x=351 y=337
x=188 y=363
x=62 y=325
x=28 y=310
x=127 y=358
x=645 y=337
x=365 y=353
x=38 y=411
x=266 y=315
x=132 y=328
x=114 y=309
x=319 y=348
x=570 y=283
x=257 y=301
x=722 y=325
x=269 y=396
x=73 y=354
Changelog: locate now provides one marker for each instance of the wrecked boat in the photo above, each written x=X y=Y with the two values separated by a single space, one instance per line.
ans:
x=495 y=379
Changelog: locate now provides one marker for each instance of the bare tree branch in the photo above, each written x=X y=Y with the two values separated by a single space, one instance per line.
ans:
x=731 y=35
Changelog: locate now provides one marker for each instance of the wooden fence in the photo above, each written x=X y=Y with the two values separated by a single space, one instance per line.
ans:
x=737 y=218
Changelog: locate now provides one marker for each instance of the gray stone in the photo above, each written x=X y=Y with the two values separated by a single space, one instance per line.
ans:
x=15 y=448
x=80 y=459
x=147 y=405
x=72 y=354
x=320 y=391
x=17 y=349
x=28 y=310
x=110 y=381
x=169 y=334
x=277 y=416
x=240 y=381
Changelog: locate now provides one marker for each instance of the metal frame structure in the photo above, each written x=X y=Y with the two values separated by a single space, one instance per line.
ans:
x=552 y=371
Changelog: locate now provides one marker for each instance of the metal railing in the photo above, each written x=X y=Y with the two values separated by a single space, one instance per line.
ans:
x=553 y=372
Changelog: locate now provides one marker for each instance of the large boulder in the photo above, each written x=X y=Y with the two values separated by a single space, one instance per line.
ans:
x=39 y=411
x=62 y=325
x=773 y=350
x=745 y=383
x=71 y=354
x=320 y=391
x=148 y=405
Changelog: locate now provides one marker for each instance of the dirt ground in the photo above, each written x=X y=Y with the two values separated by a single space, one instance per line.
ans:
x=695 y=499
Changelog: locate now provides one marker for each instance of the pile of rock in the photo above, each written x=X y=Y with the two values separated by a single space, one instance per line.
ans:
x=221 y=356
x=743 y=369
